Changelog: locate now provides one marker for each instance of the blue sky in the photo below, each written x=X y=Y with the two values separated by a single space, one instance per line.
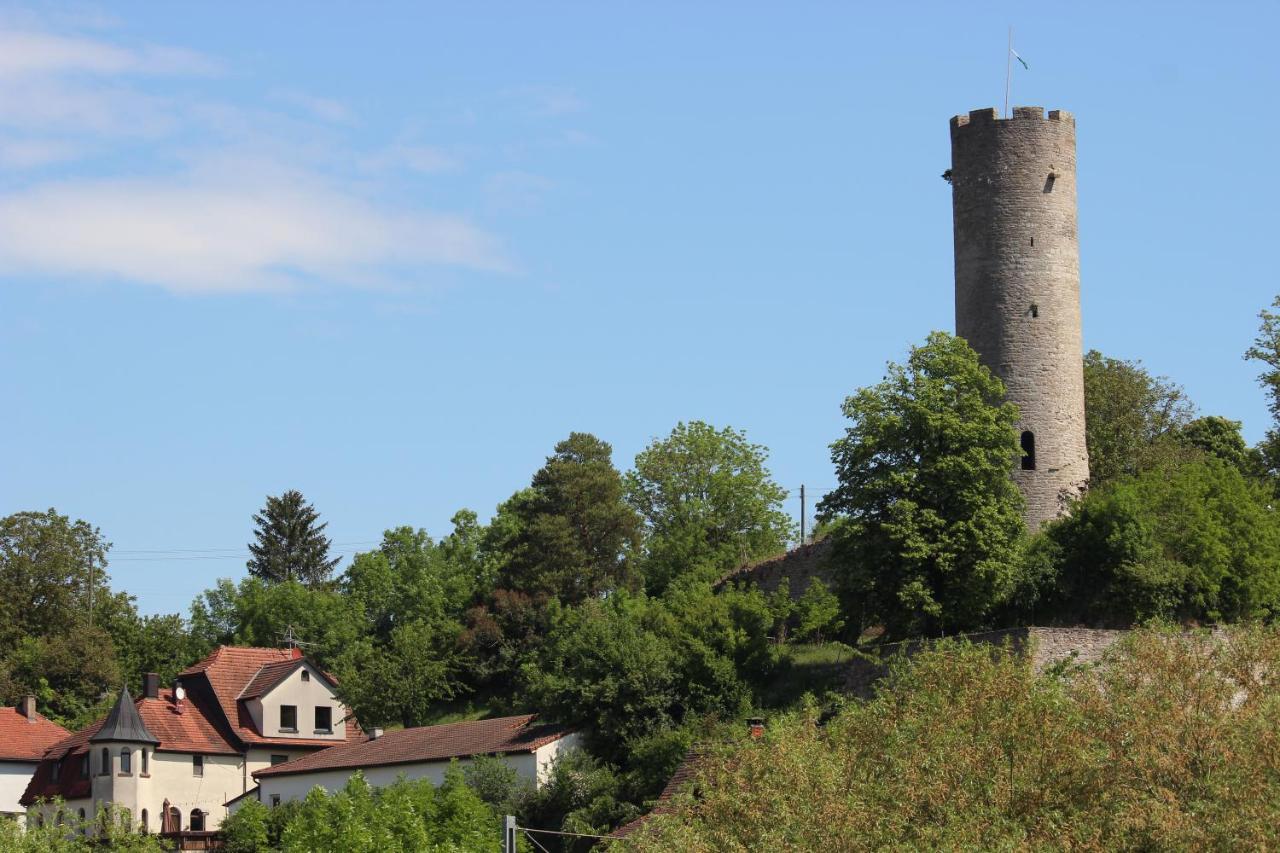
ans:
x=390 y=254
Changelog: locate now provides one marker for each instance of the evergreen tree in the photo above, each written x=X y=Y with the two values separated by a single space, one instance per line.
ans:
x=290 y=544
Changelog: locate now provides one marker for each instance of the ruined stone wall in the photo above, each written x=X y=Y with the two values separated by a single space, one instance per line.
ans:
x=1047 y=647
x=1017 y=267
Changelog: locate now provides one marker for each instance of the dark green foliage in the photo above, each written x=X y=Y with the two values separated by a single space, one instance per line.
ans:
x=631 y=666
x=1220 y=437
x=1192 y=540
x=573 y=533
x=290 y=543
x=929 y=521
x=708 y=502
x=1130 y=417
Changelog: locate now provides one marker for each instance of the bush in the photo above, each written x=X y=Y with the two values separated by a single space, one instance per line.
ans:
x=1172 y=744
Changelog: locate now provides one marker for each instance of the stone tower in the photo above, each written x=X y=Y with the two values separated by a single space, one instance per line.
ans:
x=1018 y=286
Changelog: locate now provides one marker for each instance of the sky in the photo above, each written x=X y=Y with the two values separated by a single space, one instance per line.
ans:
x=390 y=254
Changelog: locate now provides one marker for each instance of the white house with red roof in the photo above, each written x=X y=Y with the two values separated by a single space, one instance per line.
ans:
x=174 y=757
x=24 y=737
x=418 y=753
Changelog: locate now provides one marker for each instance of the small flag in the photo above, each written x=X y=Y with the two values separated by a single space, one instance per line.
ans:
x=1020 y=59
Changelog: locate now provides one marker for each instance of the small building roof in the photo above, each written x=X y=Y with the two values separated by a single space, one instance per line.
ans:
x=124 y=723
x=684 y=776
x=23 y=739
x=501 y=735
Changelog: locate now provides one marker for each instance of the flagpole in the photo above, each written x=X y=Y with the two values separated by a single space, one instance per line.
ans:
x=1008 y=71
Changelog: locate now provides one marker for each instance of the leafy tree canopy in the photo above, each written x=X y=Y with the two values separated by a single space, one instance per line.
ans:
x=1192 y=540
x=289 y=543
x=930 y=522
x=1130 y=417
x=708 y=501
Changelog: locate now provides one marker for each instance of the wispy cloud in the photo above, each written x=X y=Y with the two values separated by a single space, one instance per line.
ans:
x=24 y=53
x=202 y=236
x=547 y=101
x=325 y=109
x=232 y=197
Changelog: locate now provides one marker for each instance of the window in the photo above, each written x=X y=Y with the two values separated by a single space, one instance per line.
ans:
x=126 y=761
x=324 y=719
x=146 y=762
x=197 y=765
x=84 y=827
x=1035 y=310
x=275 y=800
x=306 y=676
x=106 y=762
x=197 y=820
x=288 y=718
x=278 y=759
x=55 y=772
x=84 y=766
x=1028 y=451
x=145 y=827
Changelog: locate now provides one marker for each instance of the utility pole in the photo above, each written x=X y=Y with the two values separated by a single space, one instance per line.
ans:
x=509 y=834
x=90 y=590
x=802 y=513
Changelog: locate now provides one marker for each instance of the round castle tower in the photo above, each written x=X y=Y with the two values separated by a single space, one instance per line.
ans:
x=1018 y=286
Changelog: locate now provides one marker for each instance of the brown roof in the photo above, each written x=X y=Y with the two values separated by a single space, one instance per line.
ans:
x=26 y=740
x=193 y=731
x=428 y=743
x=683 y=776
x=231 y=672
x=268 y=677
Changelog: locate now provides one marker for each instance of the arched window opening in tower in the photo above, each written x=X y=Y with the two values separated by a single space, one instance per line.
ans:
x=1035 y=310
x=1028 y=451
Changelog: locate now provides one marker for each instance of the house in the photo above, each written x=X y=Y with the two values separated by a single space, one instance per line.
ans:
x=24 y=737
x=419 y=753
x=173 y=757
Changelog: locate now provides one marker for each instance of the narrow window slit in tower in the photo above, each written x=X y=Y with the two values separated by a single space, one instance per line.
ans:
x=1035 y=310
x=1028 y=451
x=1033 y=242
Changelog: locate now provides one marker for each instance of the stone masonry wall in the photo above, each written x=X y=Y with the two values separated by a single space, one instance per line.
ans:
x=1051 y=645
x=1017 y=267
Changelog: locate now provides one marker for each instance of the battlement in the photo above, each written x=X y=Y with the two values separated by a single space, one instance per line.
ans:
x=991 y=115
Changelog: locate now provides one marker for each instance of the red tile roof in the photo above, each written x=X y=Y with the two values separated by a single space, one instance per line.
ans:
x=428 y=743
x=193 y=730
x=26 y=740
x=231 y=672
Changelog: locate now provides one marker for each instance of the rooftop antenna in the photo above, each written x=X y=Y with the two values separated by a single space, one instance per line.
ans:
x=291 y=641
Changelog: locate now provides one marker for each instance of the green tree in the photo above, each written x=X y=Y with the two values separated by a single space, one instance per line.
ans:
x=930 y=522
x=289 y=543
x=1221 y=438
x=575 y=533
x=708 y=502
x=46 y=564
x=1266 y=349
x=1130 y=417
x=818 y=612
x=1193 y=540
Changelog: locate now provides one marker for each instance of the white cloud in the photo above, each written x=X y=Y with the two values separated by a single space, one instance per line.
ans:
x=201 y=235
x=547 y=101
x=31 y=53
x=423 y=159
x=325 y=109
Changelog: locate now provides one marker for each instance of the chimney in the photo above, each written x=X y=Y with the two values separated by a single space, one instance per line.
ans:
x=151 y=685
x=755 y=725
x=296 y=652
x=27 y=707
x=375 y=733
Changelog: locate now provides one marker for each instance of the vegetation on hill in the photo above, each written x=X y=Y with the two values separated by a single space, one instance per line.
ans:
x=1171 y=744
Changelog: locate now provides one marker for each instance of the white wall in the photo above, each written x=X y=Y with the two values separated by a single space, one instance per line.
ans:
x=296 y=786
x=14 y=776
x=547 y=754
x=305 y=696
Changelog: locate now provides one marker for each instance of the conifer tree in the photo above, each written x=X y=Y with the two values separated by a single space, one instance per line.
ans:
x=290 y=543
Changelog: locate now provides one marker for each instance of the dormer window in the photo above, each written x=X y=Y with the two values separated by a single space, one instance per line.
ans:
x=324 y=720
x=288 y=718
x=306 y=676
